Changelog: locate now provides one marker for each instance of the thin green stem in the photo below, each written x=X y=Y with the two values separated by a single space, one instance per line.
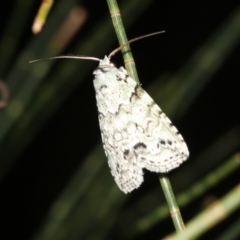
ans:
x=172 y=203
x=122 y=39
x=130 y=66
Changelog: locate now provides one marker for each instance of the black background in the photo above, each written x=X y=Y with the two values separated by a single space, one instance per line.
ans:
x=45 y=166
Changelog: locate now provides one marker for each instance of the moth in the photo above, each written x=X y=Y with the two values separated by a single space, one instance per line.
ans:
x=136 y=134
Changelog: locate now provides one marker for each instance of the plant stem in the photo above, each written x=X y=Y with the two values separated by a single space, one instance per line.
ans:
x=172 y=203
x=122 y=39
x=130 y=66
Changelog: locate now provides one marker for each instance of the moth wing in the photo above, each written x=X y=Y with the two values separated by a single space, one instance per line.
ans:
x=159 y=145
x=124 y=165
x=136 y=133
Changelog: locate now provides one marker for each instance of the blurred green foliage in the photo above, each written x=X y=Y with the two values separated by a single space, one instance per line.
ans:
x=54 y=175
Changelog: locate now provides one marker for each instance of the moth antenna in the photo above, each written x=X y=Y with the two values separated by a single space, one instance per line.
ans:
x=133 y=40
x=73 y=57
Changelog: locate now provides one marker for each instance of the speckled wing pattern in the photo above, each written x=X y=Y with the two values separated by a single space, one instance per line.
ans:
x=136 y=134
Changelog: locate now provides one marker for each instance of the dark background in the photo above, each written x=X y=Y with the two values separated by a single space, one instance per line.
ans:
x=43 y=168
